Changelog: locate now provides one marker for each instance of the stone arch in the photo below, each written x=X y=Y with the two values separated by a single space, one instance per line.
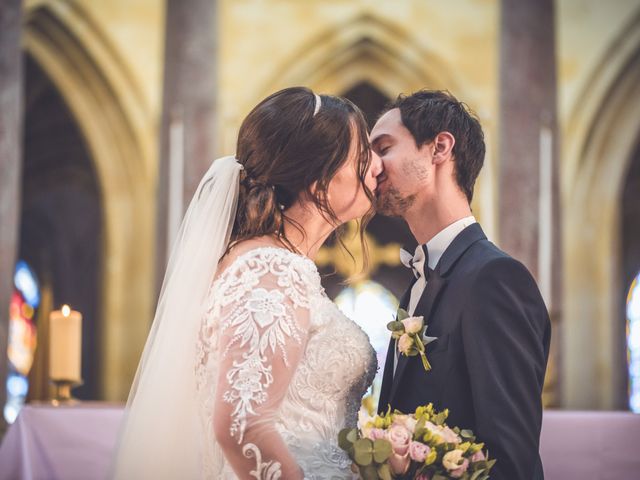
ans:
x=602 y=134
x=111 y=115
x=346 y=54
x=368 y=49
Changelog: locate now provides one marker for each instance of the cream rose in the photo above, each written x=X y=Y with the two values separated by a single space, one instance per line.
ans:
x=413 y=324
x=455 y=463
x=405 y=343
x=406 y=421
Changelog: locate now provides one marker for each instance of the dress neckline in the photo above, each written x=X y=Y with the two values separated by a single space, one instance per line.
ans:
x=309 y=265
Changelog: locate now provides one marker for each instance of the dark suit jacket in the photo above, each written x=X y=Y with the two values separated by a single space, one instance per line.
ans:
x=489 y=361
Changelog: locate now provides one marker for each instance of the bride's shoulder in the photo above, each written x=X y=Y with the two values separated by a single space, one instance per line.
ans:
x=261 y=256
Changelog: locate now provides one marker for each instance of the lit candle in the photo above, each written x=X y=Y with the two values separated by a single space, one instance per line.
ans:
x=65 y=344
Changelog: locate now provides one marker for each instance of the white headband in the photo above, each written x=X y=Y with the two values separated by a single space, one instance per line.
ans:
x=318 y=104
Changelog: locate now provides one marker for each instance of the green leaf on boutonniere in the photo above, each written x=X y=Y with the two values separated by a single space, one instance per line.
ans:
x=395 y=326
x=402 y=314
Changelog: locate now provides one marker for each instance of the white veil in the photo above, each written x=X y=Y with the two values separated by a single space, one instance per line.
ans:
x=161 y=436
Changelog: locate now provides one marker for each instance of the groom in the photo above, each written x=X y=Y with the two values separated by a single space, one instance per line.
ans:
x=492 y=327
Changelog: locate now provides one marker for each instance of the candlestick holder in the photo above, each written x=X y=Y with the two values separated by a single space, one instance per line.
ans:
x=62 y=395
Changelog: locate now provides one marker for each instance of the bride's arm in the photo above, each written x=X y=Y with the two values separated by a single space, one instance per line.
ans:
x=262 y=339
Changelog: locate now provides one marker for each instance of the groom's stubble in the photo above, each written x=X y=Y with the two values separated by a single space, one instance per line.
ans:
x=392 y=202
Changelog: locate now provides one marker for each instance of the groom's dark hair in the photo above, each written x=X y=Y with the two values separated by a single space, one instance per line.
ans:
x=428 y=112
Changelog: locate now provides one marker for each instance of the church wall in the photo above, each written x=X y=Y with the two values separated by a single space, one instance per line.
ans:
x=331 y=45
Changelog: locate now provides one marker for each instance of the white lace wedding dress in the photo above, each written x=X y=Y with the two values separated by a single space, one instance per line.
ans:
x=280 y=370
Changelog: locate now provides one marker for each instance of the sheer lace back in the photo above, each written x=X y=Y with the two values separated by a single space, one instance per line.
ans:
x=280 y=370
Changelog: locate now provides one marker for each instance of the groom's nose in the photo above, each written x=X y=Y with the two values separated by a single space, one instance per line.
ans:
x=376 y=164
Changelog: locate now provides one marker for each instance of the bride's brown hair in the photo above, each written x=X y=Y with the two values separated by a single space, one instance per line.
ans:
x=288 y=149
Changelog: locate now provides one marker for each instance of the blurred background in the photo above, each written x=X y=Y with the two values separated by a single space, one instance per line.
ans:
x=113 y=109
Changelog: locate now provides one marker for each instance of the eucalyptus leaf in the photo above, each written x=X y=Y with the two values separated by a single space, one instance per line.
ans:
x=467 y=434
x=352 y=436
x=343 y=439
x=363 y=452
x=402 y=314
x=381 y=450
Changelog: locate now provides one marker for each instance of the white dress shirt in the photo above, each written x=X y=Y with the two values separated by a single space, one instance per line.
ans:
x=436 y=247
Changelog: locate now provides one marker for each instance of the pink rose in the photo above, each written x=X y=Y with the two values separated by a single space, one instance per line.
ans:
x=376 y=434
x=399 y=437
x=478 y=456
x=418 y=451
x=405 y=343
x=458 y=472
x=399 y=463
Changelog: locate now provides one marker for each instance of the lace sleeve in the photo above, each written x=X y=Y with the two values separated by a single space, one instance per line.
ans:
x=264 y=328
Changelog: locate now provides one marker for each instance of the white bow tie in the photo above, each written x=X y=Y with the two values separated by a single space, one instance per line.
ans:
x=415 y=262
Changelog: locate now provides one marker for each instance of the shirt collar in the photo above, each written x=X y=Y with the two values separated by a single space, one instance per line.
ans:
x=439 y=244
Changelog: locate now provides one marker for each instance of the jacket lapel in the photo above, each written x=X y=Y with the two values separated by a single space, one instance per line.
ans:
x=387 y=377
x=436 y=285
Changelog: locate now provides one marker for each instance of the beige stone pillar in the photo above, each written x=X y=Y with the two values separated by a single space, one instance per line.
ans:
x=529 y=215
x=11 y=86
x=188 y=114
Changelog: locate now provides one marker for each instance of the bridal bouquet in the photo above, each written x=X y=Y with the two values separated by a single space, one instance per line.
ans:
x=419 y=446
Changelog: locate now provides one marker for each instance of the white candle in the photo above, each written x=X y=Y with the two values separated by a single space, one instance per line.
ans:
x=65 y=344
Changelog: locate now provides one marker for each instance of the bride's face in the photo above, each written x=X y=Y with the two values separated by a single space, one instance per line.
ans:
x=345 y=193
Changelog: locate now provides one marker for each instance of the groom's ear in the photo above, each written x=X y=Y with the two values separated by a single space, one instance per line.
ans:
x=442 y=146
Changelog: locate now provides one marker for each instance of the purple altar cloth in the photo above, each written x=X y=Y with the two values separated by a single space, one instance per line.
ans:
x=77 y=442
x=51 y=443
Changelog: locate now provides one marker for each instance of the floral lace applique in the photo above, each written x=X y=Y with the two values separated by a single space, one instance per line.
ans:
x=263 y=322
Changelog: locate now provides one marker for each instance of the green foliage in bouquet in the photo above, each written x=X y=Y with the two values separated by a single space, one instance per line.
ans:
x=414 y=447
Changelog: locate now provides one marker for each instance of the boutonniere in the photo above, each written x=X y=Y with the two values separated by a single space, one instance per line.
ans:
x=409 y=332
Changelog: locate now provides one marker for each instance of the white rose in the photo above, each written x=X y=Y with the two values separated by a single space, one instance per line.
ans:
x=452 y=460
x=413 y=324
x=406 y=421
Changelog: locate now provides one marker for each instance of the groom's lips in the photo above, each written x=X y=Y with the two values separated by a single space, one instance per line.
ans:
x=380 y=182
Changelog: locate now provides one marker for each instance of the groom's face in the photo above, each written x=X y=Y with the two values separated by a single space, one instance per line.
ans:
x=406 y=167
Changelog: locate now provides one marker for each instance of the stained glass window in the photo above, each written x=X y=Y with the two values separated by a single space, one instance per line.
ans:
x=22 y=338
x=633 y=344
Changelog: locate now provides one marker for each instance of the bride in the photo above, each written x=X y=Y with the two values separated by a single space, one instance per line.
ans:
x=250 y=371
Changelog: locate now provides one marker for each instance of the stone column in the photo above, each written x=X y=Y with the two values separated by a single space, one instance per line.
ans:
x=11 y=87
x=187 y=144
x=529 y=215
